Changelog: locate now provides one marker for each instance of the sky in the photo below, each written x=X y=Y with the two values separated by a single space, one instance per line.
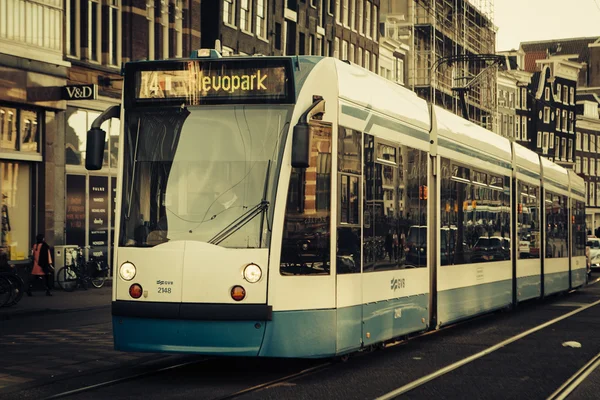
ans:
x=527 y=20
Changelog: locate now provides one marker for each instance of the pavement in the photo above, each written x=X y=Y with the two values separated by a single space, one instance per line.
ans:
x=78 y=300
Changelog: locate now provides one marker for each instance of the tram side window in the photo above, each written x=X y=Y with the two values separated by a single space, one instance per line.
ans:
x=579 y=235
x=348 y=258
x=305 y=246
x=556 y=226
x=475 y=215
x=395 y=218
x=528 y=221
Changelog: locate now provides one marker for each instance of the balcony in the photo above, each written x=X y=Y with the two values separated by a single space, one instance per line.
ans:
x=32 y=29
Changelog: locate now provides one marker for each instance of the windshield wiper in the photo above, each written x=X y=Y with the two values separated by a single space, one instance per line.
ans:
x=240 y=222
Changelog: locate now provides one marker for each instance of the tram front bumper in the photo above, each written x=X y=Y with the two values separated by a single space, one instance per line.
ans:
x=216 y=329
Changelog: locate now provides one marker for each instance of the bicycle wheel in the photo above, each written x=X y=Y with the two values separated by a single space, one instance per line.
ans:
x=5 y=291
x=97 y=274
x=18 y=288
x=67 y=279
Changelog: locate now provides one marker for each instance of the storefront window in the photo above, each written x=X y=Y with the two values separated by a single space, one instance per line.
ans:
x=8 y=128
x=78 y=123
x=30 y=131
x=15 y=209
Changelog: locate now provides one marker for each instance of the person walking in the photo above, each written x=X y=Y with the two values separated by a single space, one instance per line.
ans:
x=42 y=264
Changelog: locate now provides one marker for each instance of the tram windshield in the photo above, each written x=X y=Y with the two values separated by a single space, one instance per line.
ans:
x=201 y=173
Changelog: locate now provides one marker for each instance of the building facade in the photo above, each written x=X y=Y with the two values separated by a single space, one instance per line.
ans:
x=393 y=50
x=32 y=111
x=440 y=29
x=587 y=162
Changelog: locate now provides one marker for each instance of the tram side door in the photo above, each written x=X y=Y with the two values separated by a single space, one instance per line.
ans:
x=348 y=247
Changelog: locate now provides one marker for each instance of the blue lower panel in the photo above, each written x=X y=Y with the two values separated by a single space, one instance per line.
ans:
x=461 y=303
x=233 y=338
x=578 y=277
x=392 y=318
x=556 y=282
x=529 y=287
x=305 y=334
x=349 y=328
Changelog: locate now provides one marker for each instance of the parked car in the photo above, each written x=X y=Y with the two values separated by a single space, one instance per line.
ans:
x=594 y=253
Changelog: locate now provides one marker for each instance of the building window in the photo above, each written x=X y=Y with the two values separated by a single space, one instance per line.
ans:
x=399 y=71
x=546 y=114
x=74 y=28
x=352 y=15
x=375 y=21
x=359 y=56
x=585 y=142
x=8 y=128
x=336 y=52
x=592 y=193
x=179 y=28
x=524 y=128
x=245 y=15
x=94 y=30
x=30 y=131
x=113 y=32
x=592 y=166
x=367 y=20
x=547 y=93
x=229 y=12
x=352 y=51
x=164 y=27
x=150 y=18
x=557 y=119
x=585 y=165
x=367 y=59
x=578 y=141
x=572 y=91
x=564 y=121
x=571 y=122
x=545 y=143
x=361 y=6
x=557 y=147
x=517 y=125
x=338 y=12
x=593 y=143
x=311 y=45
x=539 y=139
x=578 y=164
x=374 y=63
x=344 y=50
x=346 y=13
x=570 y=149
x=551 y=140
x=524 y=98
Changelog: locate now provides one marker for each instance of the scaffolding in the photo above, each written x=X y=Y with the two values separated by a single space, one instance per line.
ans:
x=445 y=28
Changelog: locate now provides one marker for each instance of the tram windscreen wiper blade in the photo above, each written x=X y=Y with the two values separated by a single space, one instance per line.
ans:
x=239 y=222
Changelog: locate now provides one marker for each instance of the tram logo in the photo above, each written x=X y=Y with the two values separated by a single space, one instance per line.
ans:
x=397 y=283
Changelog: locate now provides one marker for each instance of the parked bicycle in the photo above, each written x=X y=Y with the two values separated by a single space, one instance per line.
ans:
x=12 y=288
x=82 y=273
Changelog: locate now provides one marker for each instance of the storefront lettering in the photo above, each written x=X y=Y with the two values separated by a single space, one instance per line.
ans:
x=98 y=210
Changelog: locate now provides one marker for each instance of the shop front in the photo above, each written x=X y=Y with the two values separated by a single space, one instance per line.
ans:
x=90 y=197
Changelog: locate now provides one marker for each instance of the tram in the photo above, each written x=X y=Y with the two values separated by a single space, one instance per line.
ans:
x=306 y=207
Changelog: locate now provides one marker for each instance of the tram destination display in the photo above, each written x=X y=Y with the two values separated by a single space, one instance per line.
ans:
x=201 y=82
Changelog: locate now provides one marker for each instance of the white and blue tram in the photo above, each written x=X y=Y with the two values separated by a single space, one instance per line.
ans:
x=305 y=207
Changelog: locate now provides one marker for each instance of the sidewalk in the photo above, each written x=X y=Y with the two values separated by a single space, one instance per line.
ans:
x=60 y=301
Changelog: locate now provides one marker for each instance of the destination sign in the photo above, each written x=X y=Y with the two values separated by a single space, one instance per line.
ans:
x=197 y=82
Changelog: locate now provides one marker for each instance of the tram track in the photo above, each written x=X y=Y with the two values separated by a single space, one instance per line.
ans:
x=577 y=379
x=467 y=360
x=124 y=379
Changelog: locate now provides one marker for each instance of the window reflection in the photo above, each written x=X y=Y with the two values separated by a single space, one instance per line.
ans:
x=556 y=225
x=78 y=123
x=348 y=258
x=30 y=133
x=8 y=128
x=528 y=221
x=305 y=246
x=475 y=215
x=395 y=221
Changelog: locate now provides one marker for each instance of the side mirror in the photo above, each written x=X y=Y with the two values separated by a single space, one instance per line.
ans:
x=94 y=149
x=301 y=145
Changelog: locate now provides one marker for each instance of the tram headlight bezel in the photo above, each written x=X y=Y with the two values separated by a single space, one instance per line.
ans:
x=252 y=273
x=127 y=271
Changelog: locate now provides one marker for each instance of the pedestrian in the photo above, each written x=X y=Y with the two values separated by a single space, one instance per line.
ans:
x=42 y=264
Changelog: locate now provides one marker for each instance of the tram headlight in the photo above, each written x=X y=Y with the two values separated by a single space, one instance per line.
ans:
x=127 y=271
x=252 y=273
